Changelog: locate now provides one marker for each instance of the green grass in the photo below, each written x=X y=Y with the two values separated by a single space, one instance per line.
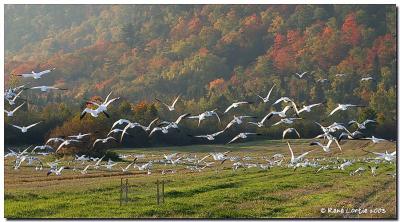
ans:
x=250 y=193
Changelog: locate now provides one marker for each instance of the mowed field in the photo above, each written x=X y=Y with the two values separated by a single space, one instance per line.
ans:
x=279 y=192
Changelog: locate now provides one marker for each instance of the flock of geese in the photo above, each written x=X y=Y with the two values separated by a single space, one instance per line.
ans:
x=191 y=162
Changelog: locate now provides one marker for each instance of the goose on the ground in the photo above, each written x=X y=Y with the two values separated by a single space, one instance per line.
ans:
x=25 y=129
x=11 y=113
x=170 y=107
x=266 y=99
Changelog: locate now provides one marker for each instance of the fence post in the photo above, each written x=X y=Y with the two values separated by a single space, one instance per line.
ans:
x=163 y=191
x=158 y=193
x=126 y=190
x=120 y=192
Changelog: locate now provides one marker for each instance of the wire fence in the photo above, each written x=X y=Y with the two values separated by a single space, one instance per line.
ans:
x=128 y=189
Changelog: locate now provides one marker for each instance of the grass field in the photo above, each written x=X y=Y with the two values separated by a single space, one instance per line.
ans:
x=279 y=192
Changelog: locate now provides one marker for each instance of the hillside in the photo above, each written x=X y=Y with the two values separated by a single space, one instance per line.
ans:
x=210 y=54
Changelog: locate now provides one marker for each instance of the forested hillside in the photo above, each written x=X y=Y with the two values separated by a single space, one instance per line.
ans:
x=210 y=54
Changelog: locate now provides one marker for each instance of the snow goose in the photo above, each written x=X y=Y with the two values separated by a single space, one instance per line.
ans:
x=170 y=107
x=266 y=99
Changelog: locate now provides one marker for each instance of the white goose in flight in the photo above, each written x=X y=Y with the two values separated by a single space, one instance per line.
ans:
x=43 y=147
x=93 y=113
x=280 y=114
x=114 y=131
x=174 y=124
x=375 y=139
x=11 y=113
x=321 y=80
x=261 y=123
x=66 y=143
x=170 y=107
x=266 y=99
x=105 y=140
x=36 y=75
x=148 y=128
x=361 y=125
x=385 y=156
x=46 y=88
x=289 y=130
x=236 y=104
x=210 y=136
x=12 y=101
x=293 y=159
x=301 y=75
x=80 y=136
x=24 y=129
x=354 y=135
x=164 y=130
x=343 y=107
x=366 y=79
x=205 y=114
x=282 y=99
x=102 y=107
x=55 y=171
x=237 y=120
x=55 y=139
x=84 y=171
x=243 y=136
x=120 y=122
x=129 y=126
x=286 y=121
x=146 y=166
x=305 y=108
x=326 y=147
x=124 y=170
